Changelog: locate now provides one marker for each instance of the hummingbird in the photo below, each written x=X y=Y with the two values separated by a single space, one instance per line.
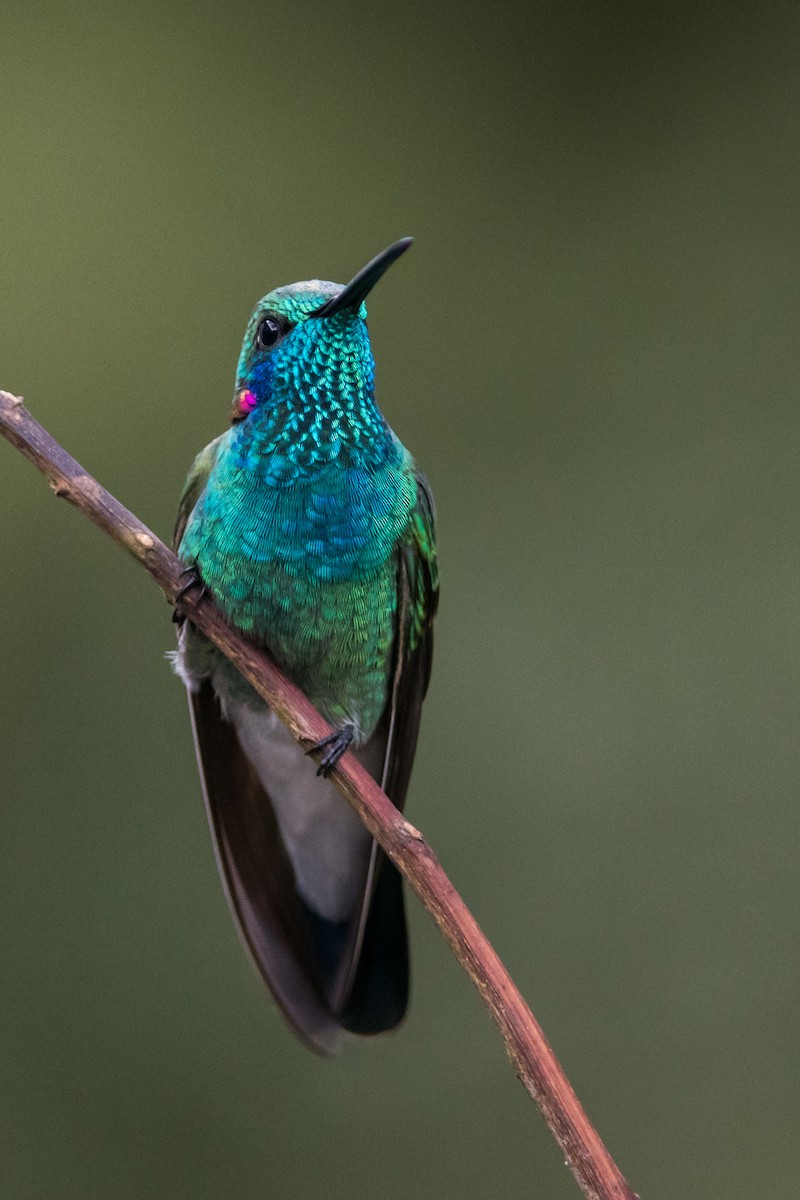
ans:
x=311 y=527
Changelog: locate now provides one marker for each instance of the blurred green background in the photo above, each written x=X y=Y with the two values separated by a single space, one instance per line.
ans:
x=592 y=351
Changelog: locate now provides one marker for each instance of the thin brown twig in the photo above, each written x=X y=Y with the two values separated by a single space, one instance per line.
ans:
x=537 y=1067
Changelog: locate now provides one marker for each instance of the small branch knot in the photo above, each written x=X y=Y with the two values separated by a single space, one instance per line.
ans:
x=14 y=406
x=410 y=833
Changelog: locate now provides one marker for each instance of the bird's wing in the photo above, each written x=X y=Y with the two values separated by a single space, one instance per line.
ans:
x=418 y=596
x=258 y=877
x=375 y=987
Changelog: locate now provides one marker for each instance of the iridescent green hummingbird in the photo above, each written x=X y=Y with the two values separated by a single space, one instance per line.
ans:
x=312 y=529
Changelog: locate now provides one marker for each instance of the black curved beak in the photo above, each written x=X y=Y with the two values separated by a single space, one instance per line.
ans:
x=361 y=284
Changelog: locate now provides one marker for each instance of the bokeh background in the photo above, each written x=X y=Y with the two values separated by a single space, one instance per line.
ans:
x=593 y=352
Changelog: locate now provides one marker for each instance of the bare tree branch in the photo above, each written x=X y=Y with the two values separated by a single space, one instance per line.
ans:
x=537 y=1067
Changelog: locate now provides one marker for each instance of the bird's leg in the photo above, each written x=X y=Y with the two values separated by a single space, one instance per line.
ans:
x=336 y=743
x=193 y=579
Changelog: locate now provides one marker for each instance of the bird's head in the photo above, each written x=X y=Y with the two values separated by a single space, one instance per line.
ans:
x=308 y=343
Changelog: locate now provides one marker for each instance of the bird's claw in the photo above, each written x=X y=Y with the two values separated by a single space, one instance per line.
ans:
x=334 y=746
x=193 y=579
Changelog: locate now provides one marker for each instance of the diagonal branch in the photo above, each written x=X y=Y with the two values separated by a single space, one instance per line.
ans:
x=534 y=1062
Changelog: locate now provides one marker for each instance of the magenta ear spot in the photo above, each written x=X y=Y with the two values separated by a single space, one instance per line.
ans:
x=247 y=402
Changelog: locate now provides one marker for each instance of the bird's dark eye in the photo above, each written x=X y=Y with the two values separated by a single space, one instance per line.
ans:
x=270 y=332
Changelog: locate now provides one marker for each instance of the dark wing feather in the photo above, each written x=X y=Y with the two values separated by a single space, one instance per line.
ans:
x=375 y=992
x=258 y=876
x=418 y=596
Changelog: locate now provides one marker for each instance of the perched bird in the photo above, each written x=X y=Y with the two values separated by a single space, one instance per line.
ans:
x=312 y=529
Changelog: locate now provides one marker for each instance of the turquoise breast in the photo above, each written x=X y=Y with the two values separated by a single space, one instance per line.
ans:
x=304 y=561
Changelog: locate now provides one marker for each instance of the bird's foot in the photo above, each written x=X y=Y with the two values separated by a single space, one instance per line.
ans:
x=193 y=579
x=334 y=746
